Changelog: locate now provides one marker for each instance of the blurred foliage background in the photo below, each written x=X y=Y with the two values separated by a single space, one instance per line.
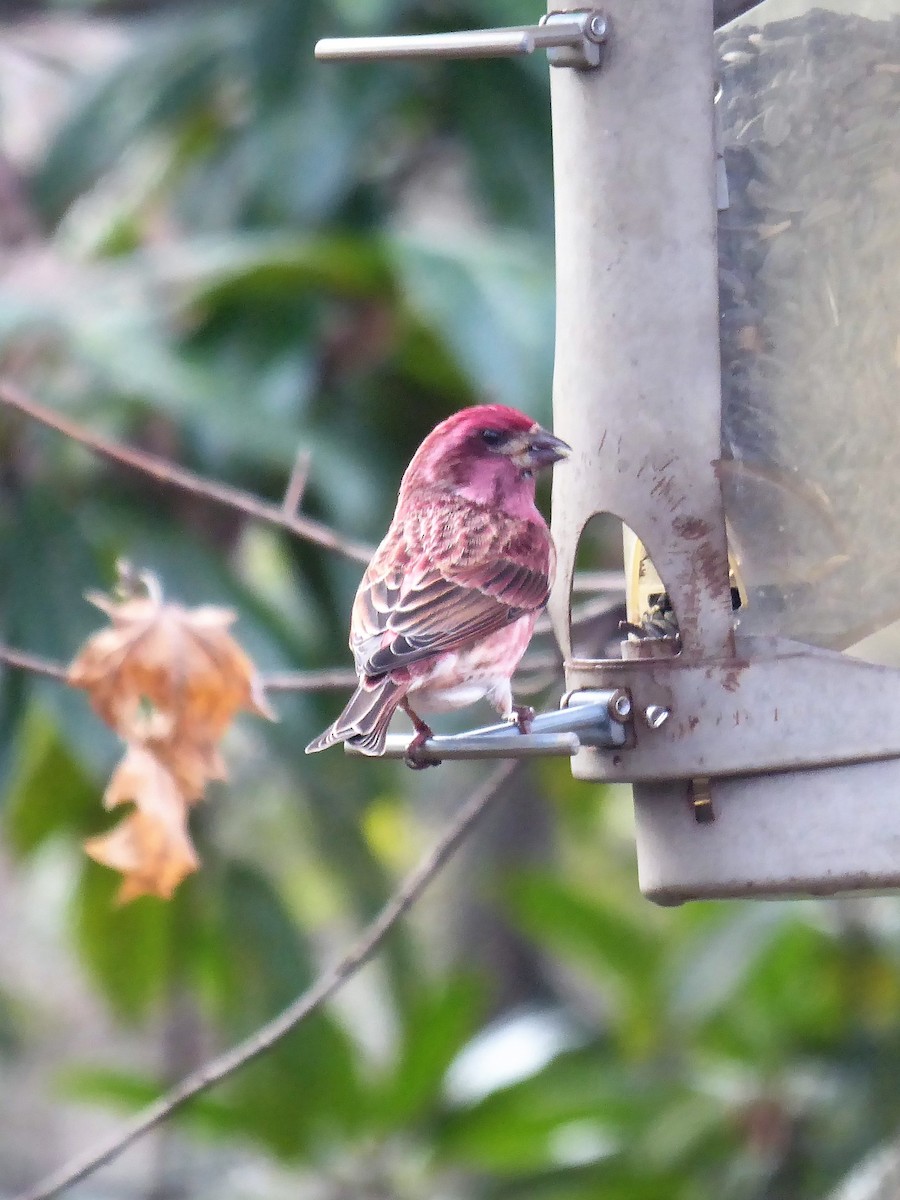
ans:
x=218 y=251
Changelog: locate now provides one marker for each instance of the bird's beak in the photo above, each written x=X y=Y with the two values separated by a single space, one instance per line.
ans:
x=537 y=449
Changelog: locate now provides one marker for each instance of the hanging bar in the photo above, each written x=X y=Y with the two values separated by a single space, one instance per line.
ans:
x=573 y=39
x=488 y=43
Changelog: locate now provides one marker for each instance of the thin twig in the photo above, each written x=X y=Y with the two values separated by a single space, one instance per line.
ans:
x=293 y=493
x=327 y=680
x=581 y=613
x=33 y=663
x=313 y=998
x=275 y=681
x=166 y=472
x=335 y=678
x=310 y=681
x=598 y=581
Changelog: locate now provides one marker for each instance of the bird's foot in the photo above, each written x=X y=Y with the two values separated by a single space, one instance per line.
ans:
x=413 y=757
x=523 y=715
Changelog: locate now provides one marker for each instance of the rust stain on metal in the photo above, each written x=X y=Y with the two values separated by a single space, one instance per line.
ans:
x=712 y=567
x=708 y=566
x=731 y=679
x=664 y=488
x=691 y=528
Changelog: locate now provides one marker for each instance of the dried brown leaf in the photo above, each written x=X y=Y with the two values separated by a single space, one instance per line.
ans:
x=168 y=680
x=151 y=847
x=191 y=766
x=164 y=670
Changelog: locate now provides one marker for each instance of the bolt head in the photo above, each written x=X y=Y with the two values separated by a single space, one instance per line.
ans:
x=656 y=715
x=620 y=706
x=597 y=28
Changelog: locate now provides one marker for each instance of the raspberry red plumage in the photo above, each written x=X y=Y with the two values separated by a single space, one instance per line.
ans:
x=448 y=603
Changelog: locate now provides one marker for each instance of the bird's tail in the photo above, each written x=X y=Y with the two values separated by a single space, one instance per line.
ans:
x=364 y=722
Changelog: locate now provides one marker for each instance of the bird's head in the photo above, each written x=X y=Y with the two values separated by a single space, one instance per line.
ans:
x=489 y=453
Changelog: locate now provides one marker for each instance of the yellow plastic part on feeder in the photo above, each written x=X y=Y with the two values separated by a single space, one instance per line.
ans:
x=643 y=584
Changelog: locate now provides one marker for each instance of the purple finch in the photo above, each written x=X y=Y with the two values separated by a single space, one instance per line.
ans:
x=449 y=601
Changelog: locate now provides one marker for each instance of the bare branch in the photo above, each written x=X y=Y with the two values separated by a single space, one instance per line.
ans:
x=168 y=473
x=333 y=679
x=313 y=998
x=310 y=681
x=275 y=681
x=33 y=663
x=293 y=493
x=598 y=581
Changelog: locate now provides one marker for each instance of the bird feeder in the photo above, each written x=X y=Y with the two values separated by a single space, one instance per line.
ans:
x=727 y=368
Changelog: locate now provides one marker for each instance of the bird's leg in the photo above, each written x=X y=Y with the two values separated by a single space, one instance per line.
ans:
x=424 y=732
x=521 y=714
x=524 y=717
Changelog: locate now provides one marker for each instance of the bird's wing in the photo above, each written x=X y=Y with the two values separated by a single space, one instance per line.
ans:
x=404 y=616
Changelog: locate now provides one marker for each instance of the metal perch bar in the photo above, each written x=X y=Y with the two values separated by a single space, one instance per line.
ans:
x=585 y=721
x=472 y=745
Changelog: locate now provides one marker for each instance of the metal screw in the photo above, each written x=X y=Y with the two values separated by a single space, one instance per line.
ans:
x=620 y=706
x=701 y=801
x=597 y=28
x=656 y=715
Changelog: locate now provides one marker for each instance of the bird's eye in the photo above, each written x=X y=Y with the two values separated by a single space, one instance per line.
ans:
x=491 y=437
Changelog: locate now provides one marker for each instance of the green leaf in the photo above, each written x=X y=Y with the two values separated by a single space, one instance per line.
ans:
x=611 y=943
x=46 y=613
x=437 y=1024
x=518 y=1128
x=127 y=948
x=505 y=104
x=491 y=300
x=45 y=610
x=611 y=1181
x=49 y=791
x=253 y=266
x=713 y=967
x=306 y=1087
x=129 y=1091
x=11 y=1041
x=171 y=71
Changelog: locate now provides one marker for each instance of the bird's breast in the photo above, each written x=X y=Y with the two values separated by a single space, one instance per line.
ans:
x=458 y=678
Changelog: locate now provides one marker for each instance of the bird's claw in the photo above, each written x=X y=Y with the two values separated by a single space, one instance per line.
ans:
x=413 y=758
x=524 y=717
